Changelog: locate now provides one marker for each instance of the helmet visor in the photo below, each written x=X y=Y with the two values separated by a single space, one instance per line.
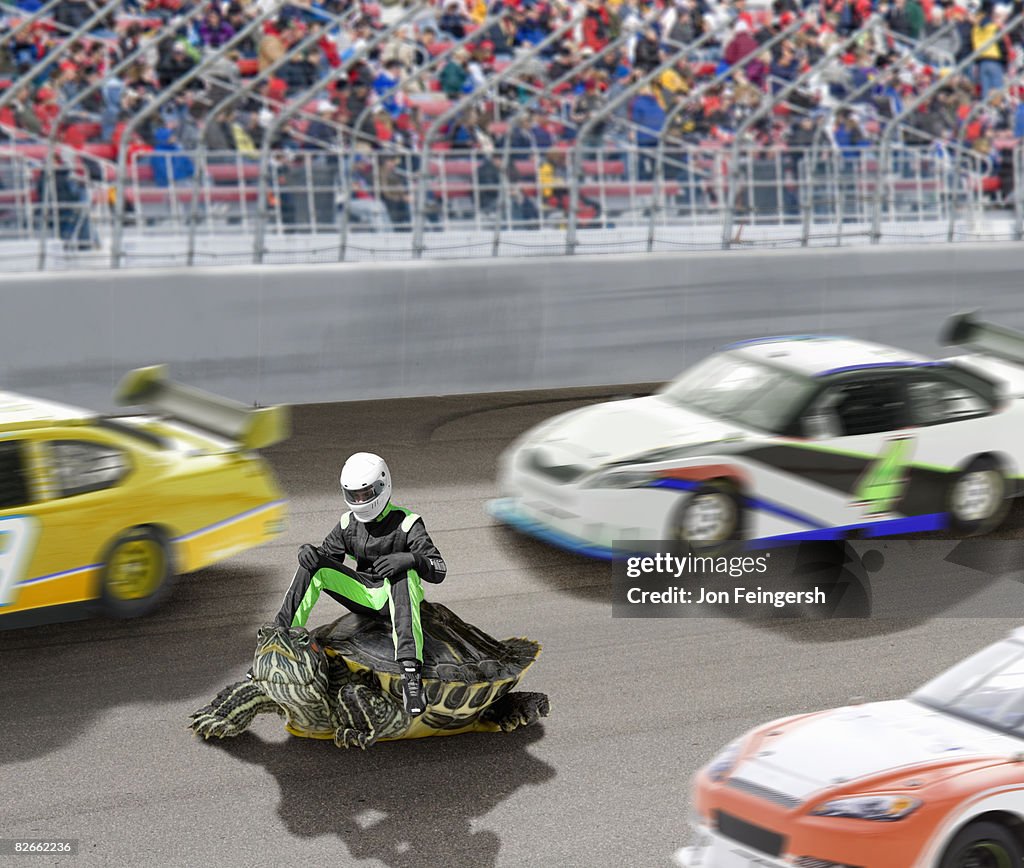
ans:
x=356 y=496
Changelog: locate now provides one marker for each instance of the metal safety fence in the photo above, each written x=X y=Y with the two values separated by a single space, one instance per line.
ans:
x=207 y=208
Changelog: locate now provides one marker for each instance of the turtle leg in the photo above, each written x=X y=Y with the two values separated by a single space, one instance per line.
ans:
x=514 y=710
x=232 y=711
x=367 y=713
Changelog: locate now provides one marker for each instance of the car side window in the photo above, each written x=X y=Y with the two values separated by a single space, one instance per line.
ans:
x=846 y=409
x=934 y=401
x=81 y=466
x=14 y=485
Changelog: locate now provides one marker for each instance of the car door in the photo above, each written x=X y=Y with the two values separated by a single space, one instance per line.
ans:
x=84 y=490
x=19 y=527
x=79 y=511
x=859 y=429
x=956 y=419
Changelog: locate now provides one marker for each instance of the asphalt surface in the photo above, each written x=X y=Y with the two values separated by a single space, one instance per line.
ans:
x=93 y=737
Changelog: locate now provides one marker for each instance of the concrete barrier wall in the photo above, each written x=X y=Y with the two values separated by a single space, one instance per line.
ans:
x=342 y=332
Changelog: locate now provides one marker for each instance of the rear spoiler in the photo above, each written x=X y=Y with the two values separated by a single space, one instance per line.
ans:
x=251 y=428
x=965 y=330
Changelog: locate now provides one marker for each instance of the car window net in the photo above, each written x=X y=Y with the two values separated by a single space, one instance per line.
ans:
x=14 y=489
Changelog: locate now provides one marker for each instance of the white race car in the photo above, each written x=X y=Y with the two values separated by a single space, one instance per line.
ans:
x=789 y=438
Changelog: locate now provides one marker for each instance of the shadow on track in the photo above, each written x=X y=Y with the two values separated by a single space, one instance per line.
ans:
x=58 y=678
x=891 y=584
x=405 y=803
x=903 y=583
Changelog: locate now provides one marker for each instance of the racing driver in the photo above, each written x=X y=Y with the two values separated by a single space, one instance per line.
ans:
x=393 y=556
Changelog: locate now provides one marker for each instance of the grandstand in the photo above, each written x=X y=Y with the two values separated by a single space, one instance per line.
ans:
x=139 y=132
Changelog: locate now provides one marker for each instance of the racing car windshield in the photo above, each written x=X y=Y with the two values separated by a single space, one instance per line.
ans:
x=987 y=688
x=741 y=390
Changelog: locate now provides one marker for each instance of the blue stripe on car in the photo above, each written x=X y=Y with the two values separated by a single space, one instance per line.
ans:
x=752 y=342
x=870 y=366
x=505 y=511
x=751 y=502
x=904 y=524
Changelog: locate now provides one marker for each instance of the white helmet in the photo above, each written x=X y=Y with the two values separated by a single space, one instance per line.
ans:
x=366 y=483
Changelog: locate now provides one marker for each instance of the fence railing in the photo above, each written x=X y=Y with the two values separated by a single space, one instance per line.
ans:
x=628 y=199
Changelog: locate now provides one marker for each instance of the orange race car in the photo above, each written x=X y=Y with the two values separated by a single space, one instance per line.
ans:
x=933 y=780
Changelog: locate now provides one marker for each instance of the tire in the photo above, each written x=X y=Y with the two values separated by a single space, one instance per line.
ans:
x=710 y=521
x=977 y=500
x=983 y=845
x=137 y=573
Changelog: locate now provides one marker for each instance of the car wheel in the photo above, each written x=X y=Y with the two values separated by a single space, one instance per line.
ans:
x=983 y=845
x=711 y=518
x=137 y=573
x=977 y=500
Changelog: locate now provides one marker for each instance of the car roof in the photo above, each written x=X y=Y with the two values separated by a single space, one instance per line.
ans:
x=821 y=355
x=19 y=412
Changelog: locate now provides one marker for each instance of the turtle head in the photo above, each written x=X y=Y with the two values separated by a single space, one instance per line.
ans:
x=291 y=668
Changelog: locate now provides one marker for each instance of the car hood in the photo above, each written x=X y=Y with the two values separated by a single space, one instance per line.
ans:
x=618 y=430
x=836 y=748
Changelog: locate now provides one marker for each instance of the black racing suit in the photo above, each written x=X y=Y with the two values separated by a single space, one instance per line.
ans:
x=361 y=590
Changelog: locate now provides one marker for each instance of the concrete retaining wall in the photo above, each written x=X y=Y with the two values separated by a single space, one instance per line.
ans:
x=342 y=332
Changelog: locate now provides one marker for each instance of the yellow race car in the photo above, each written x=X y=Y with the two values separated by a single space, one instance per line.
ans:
x=106 y=511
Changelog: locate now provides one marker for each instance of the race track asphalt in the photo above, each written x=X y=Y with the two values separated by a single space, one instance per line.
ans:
x=93 y=713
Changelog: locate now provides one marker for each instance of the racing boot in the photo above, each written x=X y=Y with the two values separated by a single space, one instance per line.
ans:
x=412 y=687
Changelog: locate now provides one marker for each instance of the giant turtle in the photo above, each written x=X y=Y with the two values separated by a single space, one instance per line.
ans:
x=341 y=682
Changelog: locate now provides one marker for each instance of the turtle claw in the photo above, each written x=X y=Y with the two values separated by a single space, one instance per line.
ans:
x=347 y=737
x=232 y=711
x=208 y=725
x=515 y=710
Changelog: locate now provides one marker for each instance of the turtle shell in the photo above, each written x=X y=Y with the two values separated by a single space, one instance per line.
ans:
x=453 y=651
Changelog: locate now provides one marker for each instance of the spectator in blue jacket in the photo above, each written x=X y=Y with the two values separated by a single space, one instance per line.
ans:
x=385 y=85
x=848 y=136
x=167 y=159
x=649 y=116
x=1018 y=121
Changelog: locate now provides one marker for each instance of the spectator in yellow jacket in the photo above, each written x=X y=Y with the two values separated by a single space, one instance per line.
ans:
x=674 y=82
x=478 y=11
x=984 y=38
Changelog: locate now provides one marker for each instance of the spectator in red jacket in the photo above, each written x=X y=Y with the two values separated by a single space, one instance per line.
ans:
x=46 y=108
x=742 y=46
x=596 y=26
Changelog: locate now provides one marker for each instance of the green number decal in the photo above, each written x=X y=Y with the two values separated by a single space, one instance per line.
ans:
x=883 y=482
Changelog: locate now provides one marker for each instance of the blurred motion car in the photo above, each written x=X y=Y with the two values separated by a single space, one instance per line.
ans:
x=784 y=438
x=106 y=511
x=932 y=781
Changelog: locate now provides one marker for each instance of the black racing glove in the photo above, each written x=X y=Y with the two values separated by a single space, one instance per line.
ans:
x=395 y=564
x=309 y=556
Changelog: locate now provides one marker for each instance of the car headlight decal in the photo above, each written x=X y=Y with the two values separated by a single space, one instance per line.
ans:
x=725 y=762
x=876 y=806
x=616 y=478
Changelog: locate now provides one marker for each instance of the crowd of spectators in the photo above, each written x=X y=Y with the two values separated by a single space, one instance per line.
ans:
x=386 y=97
